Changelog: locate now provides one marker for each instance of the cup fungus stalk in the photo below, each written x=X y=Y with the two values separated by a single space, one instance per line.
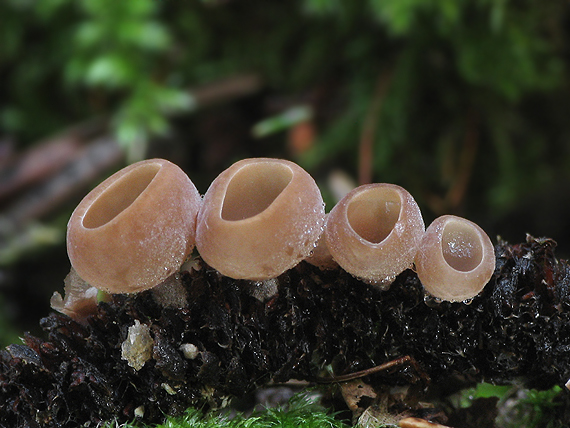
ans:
x=260 y=217
x=456 y=259
x=135 y=229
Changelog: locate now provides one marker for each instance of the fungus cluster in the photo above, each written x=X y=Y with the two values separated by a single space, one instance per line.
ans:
x=259 y=218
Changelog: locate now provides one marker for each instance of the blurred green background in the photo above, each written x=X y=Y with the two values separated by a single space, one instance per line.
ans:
x=465 y=104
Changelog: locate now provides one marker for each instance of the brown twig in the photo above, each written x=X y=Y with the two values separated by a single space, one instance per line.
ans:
x=406 y=360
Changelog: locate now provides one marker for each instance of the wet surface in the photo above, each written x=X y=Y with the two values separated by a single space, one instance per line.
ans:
x=518 y=328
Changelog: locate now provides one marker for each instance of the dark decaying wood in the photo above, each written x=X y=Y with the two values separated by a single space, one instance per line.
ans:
x=517 y=329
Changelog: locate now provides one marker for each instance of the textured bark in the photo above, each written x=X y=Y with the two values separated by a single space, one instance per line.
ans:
x=518 y=328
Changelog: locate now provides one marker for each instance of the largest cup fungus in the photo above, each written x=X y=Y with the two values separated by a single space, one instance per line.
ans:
x=374 y=232
x=259 y=218
x=135 y=229
x=456 y=259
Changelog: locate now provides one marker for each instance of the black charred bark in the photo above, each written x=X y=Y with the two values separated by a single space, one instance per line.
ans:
x=518 y=328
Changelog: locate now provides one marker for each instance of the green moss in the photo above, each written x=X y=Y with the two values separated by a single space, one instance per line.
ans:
x=300 y=412
x=534 y=409
x=518 y=407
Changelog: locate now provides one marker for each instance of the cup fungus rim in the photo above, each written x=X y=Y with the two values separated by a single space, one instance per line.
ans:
x=370 y=188
x=445 y=221
x=112 y=185
x=237 y=168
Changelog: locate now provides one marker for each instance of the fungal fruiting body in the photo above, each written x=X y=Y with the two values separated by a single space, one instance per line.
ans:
x=135 y=229
x=259 y=218
x=374 y=232
x=321 y=256
x=455 y=260
x=80 y=298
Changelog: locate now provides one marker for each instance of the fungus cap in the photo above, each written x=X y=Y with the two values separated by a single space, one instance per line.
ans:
x=260 y=217
x=135 y=229
x=456 y=259
x=374 y=232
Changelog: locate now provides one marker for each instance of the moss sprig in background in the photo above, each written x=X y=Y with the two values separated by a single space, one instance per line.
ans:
x=438 y=90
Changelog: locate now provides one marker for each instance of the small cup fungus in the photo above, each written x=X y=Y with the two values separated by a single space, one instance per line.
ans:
x=374 y=232
x=455 y=260
x=135 y=229
x=80 y=298
x=259 y=218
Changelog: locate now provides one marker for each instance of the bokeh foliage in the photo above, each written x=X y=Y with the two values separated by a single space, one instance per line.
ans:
x=451 y=88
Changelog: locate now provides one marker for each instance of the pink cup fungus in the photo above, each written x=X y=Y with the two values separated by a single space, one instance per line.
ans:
x=260 y=217
x=135 y=229
x=374 y=232
x=321 y=256
x=456 y=259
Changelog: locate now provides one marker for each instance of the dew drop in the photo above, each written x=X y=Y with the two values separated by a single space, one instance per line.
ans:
x=381 y=284
x=432 y=301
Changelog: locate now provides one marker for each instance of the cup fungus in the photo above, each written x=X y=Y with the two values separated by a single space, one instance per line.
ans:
x=455 y=259
x=80 y=299
x=374 y=232
x=321 y=256
x=135 y=229
x=259 y=218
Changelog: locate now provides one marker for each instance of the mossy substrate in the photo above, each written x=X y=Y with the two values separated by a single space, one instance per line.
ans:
x=518 y=329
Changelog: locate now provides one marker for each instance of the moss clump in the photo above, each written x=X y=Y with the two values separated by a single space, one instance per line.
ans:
x=300 y=412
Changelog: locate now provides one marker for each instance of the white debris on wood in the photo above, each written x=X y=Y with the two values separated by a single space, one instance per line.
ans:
x=139 y=412
x=193 y=264
x=137 y=347
x=190 y=351
x=169 y=390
